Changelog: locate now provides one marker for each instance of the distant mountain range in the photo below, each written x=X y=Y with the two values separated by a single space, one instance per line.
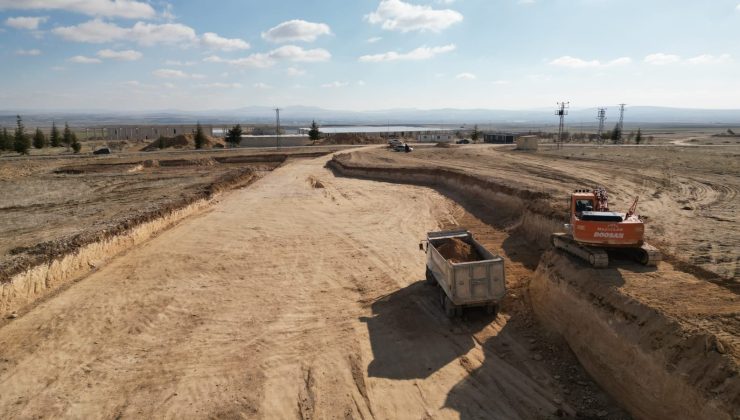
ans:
x=303 y=115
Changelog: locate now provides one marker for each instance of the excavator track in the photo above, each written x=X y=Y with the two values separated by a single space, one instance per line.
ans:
x=597 y=257
x=648 y=255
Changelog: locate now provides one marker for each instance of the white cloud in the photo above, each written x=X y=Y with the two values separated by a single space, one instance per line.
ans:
x=294 y=72
x=269 y=59
x=710 y=59
x=81 y=59
x=24 y=22
x=374 y=39
x=261 y=85
x=466 y=76
x=168 y=85
x=738 y=7
x=179 y=63
x=660 y=59
x=361 y=83
x=28 y=52
x=97 y=31
x=500 y=82
x=218 y=85
x=396 y=15
x=215 y=42
x=334 y=85
x=123 y=55
x=296 y=30
x=294 y=53
x=421 y=53
x=129 y=9
x=578 y=63
x=175 y=74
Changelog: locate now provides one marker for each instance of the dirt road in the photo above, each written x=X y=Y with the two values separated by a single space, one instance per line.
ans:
x=299 y=296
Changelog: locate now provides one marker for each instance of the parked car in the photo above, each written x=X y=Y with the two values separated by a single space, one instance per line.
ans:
x=463 y=141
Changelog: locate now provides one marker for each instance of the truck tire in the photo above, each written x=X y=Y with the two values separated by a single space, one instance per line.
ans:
x=430 y=277
x=492 y=309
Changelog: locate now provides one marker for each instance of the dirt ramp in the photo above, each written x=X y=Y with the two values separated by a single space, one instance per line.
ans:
x=659 y=356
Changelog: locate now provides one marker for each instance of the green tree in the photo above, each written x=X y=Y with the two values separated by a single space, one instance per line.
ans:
x=200 y=138
x=6 y=142
x=234 y=135
x=21 y=142
x=475 y=134
x=76 y=145
x=39 y=139
x=616 y=135
x=314 y=134
x=160 y=141
x=54 y=138
x=68 y=137
x=638 y=136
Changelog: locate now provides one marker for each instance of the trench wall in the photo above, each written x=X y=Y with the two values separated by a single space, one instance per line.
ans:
x=537 y=220
x=655 y=367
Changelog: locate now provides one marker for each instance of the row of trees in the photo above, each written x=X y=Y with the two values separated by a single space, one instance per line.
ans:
x=21 y=142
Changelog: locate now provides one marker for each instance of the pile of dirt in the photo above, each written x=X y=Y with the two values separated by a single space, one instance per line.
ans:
x=457 y=251
x=351 y=138
x=181 y=141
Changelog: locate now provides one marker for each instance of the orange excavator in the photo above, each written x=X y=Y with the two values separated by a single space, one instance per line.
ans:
x=593 y=229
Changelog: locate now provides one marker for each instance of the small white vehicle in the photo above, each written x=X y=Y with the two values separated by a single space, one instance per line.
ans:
x=464 y=284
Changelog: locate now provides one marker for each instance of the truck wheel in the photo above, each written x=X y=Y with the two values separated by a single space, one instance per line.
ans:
x=492 y=309
x=450 y=308
x=430 y=277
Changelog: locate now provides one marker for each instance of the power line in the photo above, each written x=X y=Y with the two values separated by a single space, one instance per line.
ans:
x=601 y=115
x=621 y=121
x=277 y=127
x=562 y=111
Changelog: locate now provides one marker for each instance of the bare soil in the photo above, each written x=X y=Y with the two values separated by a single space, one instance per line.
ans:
x=457 y=251
x=285 y=300
x=51 y=207
x=689 y=195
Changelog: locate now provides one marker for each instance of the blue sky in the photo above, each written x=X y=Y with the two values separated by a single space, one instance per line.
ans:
x=368 y=54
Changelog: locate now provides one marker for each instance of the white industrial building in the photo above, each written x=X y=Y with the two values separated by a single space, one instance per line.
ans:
x=436 y=138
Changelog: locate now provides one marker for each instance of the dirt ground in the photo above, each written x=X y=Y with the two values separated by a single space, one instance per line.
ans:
x=689 y=195
x=48 y=203
x=299 y=296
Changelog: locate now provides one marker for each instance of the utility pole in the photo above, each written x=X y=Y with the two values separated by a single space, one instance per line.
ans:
x=621 y=121
x=277 y=127
x=562 y=111
x=601 y=115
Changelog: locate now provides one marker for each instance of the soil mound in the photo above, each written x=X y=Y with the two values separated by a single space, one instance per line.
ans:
x=458 y=251
x=349 y=138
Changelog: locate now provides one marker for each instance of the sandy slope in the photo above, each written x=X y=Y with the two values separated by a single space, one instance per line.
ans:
x=286 y=300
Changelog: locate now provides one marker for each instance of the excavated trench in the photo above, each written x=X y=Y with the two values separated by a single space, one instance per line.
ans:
x=655 y=361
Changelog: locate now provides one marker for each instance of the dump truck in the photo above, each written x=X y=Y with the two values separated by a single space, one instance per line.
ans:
x=467 y=274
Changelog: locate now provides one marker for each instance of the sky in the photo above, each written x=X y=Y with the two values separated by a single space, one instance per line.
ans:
x=124 y=55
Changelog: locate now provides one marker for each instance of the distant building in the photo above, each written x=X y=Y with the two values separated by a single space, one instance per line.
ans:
x=499 y=138
x=436 y=138
x=382 y=131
